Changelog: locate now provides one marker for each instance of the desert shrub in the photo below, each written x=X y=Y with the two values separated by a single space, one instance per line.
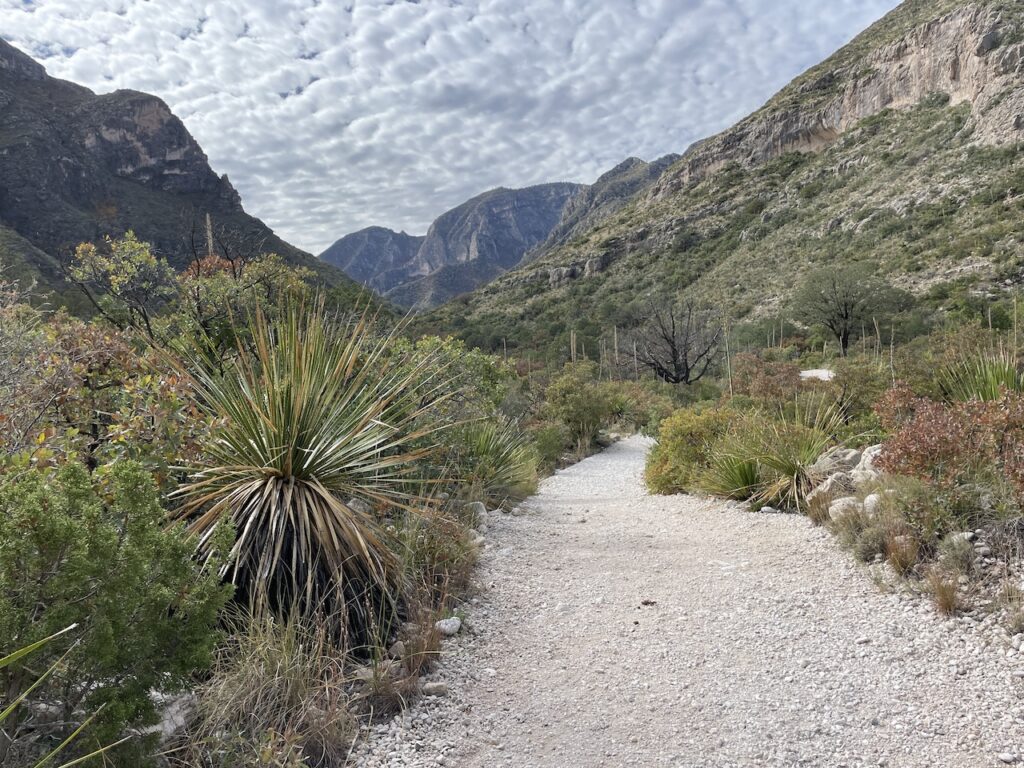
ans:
x=859 y=383
x=575 y=398
x=83 y=391
x=437 y=554
x=277 y=696
x=494 y=460
x=766 y=380
x=639 y=405
x=477 y=385
x=683 y=450
x=551 y=439
x=974 y=447
x=870 y=542
x=93 y=551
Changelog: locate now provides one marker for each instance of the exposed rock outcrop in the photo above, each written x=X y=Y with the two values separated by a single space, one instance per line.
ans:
x=464 y=248
x=76 y=166
x=960 y=54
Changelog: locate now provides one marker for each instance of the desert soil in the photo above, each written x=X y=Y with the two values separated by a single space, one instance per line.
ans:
x=615 y=628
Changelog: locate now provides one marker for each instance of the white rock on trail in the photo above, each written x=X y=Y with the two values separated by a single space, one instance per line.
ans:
x=450 y=626
x=663 y=661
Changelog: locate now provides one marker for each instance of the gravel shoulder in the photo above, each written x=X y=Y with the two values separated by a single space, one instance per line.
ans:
x=614 y=628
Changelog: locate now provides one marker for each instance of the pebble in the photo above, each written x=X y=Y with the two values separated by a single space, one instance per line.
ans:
x=449 y=627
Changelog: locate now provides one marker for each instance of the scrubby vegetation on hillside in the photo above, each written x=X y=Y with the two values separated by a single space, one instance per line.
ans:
x=227 y=484
x=912 y=454
x=909 y=197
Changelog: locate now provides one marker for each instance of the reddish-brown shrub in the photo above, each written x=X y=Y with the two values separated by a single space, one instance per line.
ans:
x=953 y=444
x=765 y=379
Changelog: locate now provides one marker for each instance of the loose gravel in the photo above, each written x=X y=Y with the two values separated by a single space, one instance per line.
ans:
x=613 y=628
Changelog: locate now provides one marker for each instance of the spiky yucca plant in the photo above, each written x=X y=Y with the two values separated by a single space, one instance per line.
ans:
x=316 y=414
x=985 y=376
x=792 y=446
x=496 y=461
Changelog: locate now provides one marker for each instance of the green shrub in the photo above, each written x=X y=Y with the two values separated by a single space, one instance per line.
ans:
x=94 y=551
x=575 y=398
x=551 y=439
x=639 y=405
x=684 y=447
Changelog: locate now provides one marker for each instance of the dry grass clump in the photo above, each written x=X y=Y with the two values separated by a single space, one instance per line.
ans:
x=422 y=641
x=817 y=509
x=902 y=551
x=278 y=696
x=386 y=688
x=438 y=554
x=956 y=554
x=944 y=590
x=1011 y=598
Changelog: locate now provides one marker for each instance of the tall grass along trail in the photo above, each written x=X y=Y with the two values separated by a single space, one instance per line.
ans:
x=616 y=628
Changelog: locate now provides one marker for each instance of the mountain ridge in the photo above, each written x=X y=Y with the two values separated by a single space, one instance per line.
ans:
x=849 y=162
x=101 y=164
x=463 y=247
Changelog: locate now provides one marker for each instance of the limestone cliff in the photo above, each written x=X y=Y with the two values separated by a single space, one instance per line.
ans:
x=904 y=150
x=76 y=166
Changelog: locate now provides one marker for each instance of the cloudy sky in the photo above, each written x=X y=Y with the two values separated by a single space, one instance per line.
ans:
x=331 y=115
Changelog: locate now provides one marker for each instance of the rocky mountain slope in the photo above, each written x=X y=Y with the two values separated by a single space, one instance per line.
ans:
x=595 y=202
x=464 y=248
x=75 y=166
x=902 y=151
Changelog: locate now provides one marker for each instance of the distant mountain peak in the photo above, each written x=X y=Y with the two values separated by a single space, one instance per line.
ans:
x=463 y=248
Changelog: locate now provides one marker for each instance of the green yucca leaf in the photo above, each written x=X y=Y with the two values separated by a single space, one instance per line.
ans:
x=496 y=460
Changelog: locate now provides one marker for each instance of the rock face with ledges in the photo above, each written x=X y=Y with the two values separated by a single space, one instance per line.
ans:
x=76 y=166
x=904 y=148
x=608 y=194
x=463 y=249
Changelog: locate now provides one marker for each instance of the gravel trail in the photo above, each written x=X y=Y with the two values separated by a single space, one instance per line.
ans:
x=615 y=628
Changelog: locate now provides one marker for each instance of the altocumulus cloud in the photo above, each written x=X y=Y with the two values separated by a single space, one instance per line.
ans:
x=331 y=115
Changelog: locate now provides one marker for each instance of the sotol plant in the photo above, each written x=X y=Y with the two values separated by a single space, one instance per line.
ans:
x=316 y=415
x=981 y=377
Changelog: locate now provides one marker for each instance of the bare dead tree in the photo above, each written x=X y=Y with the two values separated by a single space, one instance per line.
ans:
x=679 y=342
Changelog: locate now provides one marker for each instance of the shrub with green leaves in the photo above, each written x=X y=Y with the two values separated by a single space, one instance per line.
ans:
x=575 y=398
x=93 y=550
x=684 y=448
x=551 y=439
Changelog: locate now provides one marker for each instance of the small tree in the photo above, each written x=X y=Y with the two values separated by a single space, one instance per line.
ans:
x=679 y=342
x=843 y=299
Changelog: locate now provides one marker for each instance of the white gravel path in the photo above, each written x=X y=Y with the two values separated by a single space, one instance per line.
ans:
x=765 y=645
